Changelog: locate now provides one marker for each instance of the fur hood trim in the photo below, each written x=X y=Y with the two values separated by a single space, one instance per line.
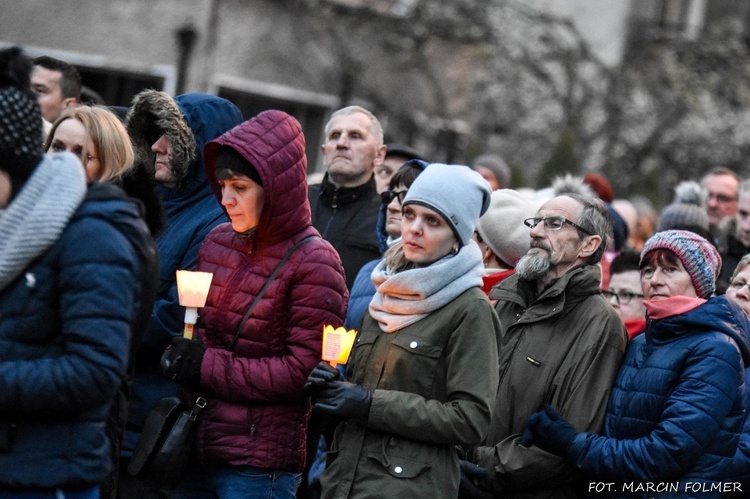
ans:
x=153 y=110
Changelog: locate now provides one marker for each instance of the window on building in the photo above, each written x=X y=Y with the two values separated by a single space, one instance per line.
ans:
x=118 y=87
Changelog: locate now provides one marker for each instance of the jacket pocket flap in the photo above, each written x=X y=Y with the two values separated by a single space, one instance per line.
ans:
x=417 y=345
x=400 y=467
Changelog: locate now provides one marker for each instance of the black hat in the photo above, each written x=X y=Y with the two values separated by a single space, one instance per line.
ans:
x=228 y=157
x=20 y=118
x=395 y=149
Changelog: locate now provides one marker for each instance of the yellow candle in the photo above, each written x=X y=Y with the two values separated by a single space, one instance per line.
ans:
x=337 y=344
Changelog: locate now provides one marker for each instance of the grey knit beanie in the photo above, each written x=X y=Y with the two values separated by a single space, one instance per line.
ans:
x=686 y=211
x=459 y=194
x=502 y=227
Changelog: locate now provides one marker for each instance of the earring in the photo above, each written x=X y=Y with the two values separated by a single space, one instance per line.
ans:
x=454 y=249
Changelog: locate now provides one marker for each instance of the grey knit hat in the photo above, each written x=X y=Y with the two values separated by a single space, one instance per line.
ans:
x=502 y=227
x=459 y=194
x=686 y=211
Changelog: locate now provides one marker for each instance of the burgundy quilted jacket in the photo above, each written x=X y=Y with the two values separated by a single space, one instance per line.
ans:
x=257 y=412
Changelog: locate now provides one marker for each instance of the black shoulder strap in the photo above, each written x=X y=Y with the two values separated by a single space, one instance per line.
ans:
x=265 y=287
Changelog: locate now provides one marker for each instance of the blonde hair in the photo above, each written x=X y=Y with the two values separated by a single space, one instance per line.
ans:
x=109 y=136
x=395 y=259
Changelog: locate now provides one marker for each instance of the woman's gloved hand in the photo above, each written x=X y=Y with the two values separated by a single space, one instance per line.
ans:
x=548 y=430
x=181 y=361
x=343 y=399
x=320 y=376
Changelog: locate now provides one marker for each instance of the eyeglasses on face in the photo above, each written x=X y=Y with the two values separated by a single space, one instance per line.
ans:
x=622 y=297
x=722 y=198
x=387 y=196
x=738 y=284
x=553 y=223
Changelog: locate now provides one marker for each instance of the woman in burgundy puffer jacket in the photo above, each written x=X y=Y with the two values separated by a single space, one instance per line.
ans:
x=252 y=432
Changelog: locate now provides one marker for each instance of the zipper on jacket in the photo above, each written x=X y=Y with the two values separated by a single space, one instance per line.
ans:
x=334 y=205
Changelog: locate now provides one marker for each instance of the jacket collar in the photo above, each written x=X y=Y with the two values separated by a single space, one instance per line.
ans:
x=333 y=196
x=575 y=285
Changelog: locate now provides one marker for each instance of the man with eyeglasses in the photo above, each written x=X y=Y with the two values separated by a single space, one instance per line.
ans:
x=624 y=291
x=734 y=239
x=721 y=186
x=561 y=344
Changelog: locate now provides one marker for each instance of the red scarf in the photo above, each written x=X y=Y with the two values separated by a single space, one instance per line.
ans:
x=489 y=280
x=635 y=327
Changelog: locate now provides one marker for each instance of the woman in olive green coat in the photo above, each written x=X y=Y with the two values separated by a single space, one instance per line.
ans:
x=423 y=372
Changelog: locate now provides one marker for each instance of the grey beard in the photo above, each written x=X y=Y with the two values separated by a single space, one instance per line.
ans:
x=533 y=266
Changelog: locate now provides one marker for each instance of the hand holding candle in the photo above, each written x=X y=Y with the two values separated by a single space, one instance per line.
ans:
x=337 y=344
x=192 y=289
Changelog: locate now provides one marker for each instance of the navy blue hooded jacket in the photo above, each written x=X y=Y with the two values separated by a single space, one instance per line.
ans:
x=191 y=211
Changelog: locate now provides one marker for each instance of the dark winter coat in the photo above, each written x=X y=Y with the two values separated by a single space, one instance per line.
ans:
x=191 y=211
x=731 y=250
x=677 y=407
x=563 y=348
x=347 y=218
x=257 y=412
x=68 y=317
x=433 y=387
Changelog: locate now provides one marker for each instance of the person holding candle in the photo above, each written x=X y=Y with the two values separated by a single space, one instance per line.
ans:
x=252 y=433
x=423 y=373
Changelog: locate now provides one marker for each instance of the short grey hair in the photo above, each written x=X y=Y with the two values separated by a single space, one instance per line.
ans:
x=595 y=220
x=376 y=129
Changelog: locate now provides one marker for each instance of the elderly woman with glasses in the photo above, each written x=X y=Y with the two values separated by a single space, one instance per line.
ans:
x=624 y=291
x=739 y=292
x=677 y=407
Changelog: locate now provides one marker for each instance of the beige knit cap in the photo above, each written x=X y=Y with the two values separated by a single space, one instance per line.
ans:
x=502 y=226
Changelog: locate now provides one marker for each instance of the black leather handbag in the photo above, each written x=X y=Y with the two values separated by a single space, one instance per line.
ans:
x=166 y=441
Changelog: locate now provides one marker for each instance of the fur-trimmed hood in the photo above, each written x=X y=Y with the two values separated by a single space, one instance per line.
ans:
x=189 y=121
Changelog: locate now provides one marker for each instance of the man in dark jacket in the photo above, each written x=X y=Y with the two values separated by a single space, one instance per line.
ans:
x=734 y=238
x=561 y=344
x=170 y=134
x=345 y=204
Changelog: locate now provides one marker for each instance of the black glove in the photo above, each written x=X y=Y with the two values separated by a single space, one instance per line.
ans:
x=320 y=376
x=182 y=361
x=473 y=481
x=549 y=431
x=344 y=399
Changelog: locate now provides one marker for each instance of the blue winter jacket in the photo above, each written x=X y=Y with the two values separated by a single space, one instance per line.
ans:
x=191 y=211
x=676 y=410
x=64 y=335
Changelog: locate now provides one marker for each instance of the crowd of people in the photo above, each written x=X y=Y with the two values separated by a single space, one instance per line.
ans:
x=510 y=342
